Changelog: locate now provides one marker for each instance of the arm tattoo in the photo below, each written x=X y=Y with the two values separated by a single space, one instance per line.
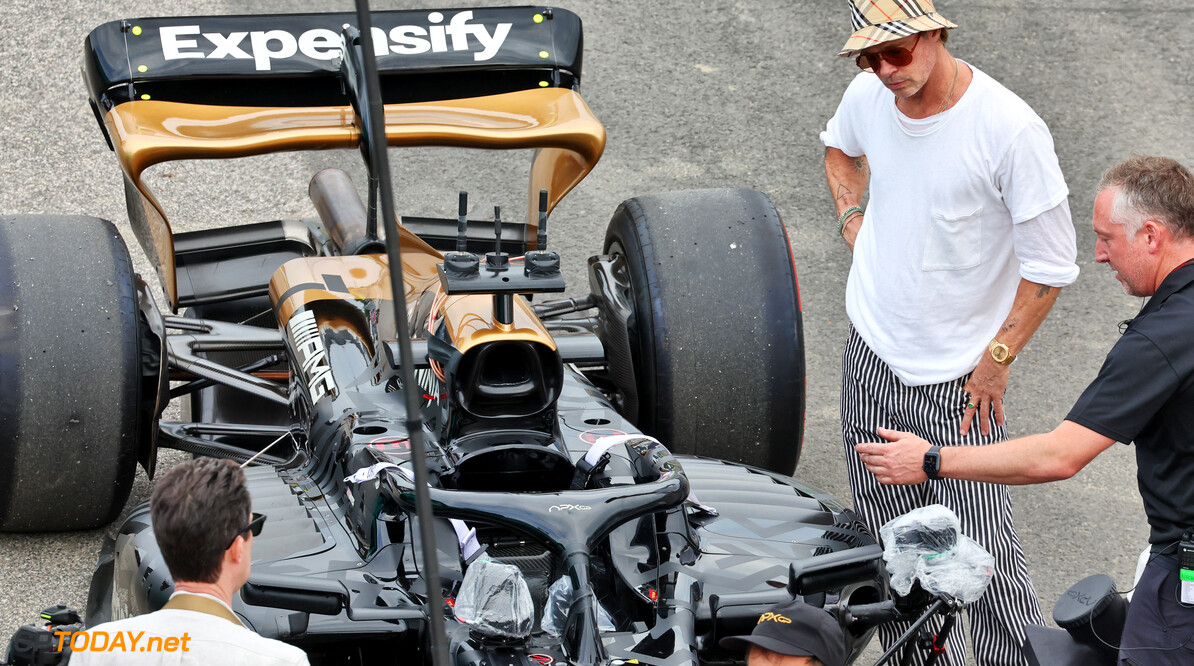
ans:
x=861 y=166
x=1044 y=291
x=842 y=192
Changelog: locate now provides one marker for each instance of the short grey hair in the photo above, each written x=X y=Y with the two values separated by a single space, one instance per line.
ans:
x=1151 y=188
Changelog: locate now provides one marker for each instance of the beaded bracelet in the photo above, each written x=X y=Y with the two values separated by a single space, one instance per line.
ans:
x=841 y=221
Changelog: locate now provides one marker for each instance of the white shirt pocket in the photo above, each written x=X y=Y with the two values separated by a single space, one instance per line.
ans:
x=953 y=242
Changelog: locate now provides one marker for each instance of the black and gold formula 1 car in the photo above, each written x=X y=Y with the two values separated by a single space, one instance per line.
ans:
x=623 y=456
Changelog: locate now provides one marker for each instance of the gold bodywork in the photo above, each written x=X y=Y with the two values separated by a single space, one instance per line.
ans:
x=469 y=318
x=365 y=276
x=146 y=132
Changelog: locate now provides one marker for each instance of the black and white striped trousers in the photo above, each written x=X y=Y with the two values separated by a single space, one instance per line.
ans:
x=873 y=396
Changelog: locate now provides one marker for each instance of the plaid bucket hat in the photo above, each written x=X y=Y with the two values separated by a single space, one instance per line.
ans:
x=878 y=21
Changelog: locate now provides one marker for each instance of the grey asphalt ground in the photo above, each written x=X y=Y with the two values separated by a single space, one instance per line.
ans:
x=695 y=93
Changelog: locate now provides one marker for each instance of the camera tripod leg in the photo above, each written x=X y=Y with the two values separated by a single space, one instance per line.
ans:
x=909 y=635
x=937 y=644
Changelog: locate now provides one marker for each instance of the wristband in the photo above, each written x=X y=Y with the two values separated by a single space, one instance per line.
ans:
x=841 y=221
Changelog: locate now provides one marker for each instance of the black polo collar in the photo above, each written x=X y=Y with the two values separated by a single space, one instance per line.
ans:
x=1177 y=280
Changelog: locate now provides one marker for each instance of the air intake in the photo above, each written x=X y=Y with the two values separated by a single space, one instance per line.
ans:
x=509 y=378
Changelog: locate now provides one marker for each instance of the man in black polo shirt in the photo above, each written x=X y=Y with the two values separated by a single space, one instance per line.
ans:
x=1144 y=393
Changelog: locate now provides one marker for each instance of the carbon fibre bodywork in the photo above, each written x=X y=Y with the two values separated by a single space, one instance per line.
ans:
x=713 y=572
x=725 y=572
x=292 y=355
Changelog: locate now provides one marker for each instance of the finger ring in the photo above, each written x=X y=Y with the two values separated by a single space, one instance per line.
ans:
x=971 y=405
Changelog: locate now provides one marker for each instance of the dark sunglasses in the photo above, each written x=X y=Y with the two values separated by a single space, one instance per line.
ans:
x=254 y=526
x=898 y=56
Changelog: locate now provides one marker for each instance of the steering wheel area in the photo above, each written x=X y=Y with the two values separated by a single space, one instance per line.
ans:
x=572 y=522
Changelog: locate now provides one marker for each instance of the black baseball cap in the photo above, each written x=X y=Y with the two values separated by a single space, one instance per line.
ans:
x=796 y=629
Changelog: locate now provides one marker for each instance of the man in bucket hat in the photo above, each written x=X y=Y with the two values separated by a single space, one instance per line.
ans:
x=792 y=633
x=958 y=257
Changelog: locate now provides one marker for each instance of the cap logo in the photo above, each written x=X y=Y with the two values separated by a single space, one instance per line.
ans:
x=774 y=617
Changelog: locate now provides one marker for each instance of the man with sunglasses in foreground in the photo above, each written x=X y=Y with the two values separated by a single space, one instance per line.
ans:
x=958 y=257
x=203 y=525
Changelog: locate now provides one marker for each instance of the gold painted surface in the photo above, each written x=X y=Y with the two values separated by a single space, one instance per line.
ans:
x=365 y=276
x=470 y=322
x=337 y=323
x=152 y=232
x=555 y=120
x=469 y=318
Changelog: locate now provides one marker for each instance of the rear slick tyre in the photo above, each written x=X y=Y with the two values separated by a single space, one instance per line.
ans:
x=715 y=336
x=69 y=373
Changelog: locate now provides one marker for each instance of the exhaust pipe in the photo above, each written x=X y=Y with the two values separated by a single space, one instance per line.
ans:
x=342 y=212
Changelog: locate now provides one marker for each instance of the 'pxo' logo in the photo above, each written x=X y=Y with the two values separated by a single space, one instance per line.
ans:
x=569 y=507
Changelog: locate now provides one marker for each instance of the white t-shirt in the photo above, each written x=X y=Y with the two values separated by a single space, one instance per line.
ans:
x=209 y=640
x=962 y=205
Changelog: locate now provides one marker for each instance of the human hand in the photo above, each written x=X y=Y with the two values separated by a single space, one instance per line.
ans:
x=899 y=461
x=985 y=388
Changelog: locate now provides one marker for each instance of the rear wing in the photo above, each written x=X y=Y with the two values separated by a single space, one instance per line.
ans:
x=220 y=87
x=293 y=59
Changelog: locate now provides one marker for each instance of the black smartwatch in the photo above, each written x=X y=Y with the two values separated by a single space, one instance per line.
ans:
x=932 y=464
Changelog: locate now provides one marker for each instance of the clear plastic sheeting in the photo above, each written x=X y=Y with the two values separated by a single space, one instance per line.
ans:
x=555 y=611
x=927 y=544
x=494 y=600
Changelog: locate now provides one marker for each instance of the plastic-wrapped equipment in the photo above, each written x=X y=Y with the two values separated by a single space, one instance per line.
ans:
x=494 y=600
x=927 y=544
x=559 y=600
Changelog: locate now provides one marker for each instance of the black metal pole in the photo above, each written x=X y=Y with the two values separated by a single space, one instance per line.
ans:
x=371 y=212
x=503 y=308
x=414 y=415
x=910 y=634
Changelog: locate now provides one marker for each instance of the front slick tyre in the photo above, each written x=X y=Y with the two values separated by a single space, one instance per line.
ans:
x=716 y=330
x=69 y=373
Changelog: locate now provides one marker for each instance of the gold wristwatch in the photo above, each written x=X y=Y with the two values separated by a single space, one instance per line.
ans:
x=1000 y=353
